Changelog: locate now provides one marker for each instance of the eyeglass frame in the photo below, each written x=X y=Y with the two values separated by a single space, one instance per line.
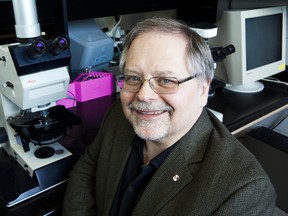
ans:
x=122 y=78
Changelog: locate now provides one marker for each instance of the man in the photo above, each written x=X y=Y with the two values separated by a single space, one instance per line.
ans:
x=159 y=151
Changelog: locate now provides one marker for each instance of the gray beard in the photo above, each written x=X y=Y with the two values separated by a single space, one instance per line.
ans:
x=157 y=130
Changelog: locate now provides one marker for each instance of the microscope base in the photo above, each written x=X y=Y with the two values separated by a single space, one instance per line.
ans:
x=17 y=185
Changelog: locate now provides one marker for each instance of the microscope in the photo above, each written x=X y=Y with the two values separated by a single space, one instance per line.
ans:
x=33 y=77
x=208 y=31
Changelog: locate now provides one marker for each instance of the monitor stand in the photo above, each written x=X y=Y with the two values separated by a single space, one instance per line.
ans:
x=252 y=87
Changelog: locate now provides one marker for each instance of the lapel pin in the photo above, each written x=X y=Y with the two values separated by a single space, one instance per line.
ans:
x=176 y=178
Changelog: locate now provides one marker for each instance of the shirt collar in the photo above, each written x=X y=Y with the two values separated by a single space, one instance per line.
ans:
x=138 y=143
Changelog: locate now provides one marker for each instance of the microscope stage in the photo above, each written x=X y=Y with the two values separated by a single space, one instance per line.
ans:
x=34 y=132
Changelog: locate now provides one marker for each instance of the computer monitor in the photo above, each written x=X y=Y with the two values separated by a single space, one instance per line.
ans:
x=259 y=37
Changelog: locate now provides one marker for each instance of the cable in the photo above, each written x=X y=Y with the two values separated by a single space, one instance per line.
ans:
x=230 y=5
x=113 y=35
x=275 y=80
x=114 y=28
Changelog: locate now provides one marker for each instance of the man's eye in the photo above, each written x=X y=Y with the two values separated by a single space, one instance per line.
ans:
x=166 y=81
x=133 y=79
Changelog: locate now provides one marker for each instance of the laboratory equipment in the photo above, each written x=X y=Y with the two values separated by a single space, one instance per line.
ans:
x=34 y=76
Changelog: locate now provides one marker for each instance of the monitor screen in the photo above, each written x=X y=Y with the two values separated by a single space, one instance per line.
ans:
x=263 y=48
x=259 y=37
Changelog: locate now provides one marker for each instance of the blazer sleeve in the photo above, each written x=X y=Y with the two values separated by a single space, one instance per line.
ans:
x=80 y=197
x=242 y=201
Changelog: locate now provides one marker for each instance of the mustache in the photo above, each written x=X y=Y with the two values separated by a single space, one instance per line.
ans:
x=150 y=106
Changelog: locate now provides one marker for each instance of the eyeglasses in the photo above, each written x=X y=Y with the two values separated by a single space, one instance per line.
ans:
x=160 y=85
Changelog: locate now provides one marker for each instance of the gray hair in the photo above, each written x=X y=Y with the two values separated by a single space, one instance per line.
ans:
x=199 y=57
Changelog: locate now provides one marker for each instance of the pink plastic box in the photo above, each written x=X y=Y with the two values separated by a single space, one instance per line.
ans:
x=93 y=85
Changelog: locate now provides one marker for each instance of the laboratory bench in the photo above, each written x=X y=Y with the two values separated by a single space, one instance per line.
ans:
x=240 y=112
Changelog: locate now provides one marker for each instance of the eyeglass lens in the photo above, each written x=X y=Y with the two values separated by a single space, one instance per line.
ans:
x=162 y=85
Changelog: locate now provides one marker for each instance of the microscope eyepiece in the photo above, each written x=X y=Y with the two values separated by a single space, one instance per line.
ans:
x=229 y=49
x=220 y=53
x=60 y=44
x=37 y=48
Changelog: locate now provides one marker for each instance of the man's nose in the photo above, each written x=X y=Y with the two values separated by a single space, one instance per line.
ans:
x=146 y=92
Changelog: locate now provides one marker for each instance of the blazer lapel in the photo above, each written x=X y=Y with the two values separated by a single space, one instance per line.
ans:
x=169 y=180
x=166 y=182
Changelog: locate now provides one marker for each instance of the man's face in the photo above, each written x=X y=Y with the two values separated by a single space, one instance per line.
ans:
x=163 y=118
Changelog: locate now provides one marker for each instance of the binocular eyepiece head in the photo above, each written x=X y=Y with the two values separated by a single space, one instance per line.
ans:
x=40 y=46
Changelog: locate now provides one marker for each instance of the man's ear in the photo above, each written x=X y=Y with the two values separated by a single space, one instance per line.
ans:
x=204 y=93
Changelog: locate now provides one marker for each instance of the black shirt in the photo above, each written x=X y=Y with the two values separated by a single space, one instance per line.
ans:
x=135 y=178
